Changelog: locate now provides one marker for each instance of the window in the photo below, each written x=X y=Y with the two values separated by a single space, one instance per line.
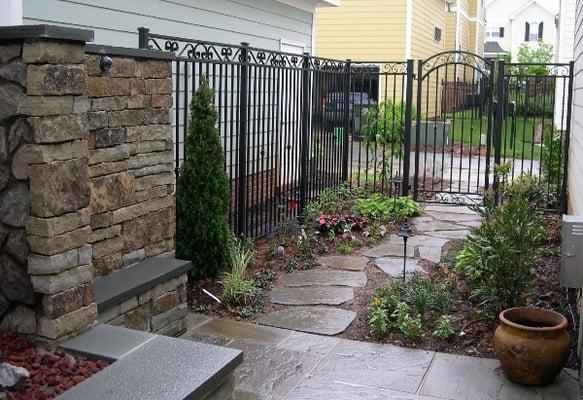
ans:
x=495 y=32
x=533 y=31
x=437 y=35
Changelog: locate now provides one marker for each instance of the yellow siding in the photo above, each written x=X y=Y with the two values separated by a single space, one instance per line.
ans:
x=365 y=30
x=427 y=15
x=450 y=31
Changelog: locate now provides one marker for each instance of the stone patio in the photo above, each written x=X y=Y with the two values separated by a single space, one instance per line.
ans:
x=284 y=364
x=304 y=293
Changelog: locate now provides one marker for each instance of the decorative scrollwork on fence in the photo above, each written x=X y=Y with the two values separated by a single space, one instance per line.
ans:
x=457 y=58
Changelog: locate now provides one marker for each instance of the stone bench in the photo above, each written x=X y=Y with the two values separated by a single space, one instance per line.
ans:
x=150 y=366
x=148 y=296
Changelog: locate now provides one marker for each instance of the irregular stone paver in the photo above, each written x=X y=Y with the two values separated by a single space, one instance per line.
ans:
x=429 y=253
x=324 y=277
x=417 y=240
x=457 y=234
x=454 y=217
x=471 y=224
x=393 y=266
x=449 y=209
x=434 y=225
x=321 y=320
x=450 y=376
x=349 y=263
x=382 y=366
x=388 y=249
x=313 y=295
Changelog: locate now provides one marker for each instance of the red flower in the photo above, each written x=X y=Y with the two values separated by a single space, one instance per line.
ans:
x=293 y=204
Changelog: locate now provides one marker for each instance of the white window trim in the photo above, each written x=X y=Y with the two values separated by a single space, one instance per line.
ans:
x=10 y=12
x=286 y=42
x=408 y=29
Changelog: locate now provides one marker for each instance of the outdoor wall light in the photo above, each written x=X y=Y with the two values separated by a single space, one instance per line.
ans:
x=448 y=3
x=105 y=63
x=405 y=232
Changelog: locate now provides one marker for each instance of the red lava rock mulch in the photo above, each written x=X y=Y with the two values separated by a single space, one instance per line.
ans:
x=51 y=373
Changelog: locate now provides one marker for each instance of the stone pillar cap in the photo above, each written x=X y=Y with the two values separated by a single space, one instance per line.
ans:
x=45 y=31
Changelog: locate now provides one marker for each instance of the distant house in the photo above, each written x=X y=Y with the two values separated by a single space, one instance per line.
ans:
x=399 y=29
x=514 y=22
x=272 y=24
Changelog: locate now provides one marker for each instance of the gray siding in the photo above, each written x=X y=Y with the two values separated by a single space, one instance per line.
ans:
x=576 y=142
x=261 y=22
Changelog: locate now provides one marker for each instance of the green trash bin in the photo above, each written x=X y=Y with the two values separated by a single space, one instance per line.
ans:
x=338 y=133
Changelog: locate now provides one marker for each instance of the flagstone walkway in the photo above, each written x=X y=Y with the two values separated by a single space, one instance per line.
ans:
x=311 y=299
x=282 y=364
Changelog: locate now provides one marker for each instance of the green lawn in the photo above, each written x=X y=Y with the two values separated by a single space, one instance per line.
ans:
x=468 y=130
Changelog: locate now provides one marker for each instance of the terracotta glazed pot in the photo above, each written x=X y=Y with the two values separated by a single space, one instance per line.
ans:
x=532 y=344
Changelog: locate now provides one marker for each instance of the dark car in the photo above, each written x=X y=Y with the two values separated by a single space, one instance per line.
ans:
x=333 y=109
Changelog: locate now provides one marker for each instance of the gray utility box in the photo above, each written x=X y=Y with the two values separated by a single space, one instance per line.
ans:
x=438 y=133
x=572 y=252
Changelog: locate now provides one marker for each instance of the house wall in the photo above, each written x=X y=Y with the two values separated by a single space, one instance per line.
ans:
x=566 y=40
x=263 y=23
x=364 y=30
x=575 y=175
x=533 y=13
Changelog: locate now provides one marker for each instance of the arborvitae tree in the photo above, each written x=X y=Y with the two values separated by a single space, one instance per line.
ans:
x=202 y=192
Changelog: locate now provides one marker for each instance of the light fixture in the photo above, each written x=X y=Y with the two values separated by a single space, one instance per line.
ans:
x=448 y=3
x=105 y=63
x=405 y=232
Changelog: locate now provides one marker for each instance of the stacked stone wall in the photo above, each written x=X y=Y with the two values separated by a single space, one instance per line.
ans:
x=86 y=186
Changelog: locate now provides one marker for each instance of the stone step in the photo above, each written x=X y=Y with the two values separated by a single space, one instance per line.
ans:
x=312 y=295
x=148 y=366
x=324 y=277
x=322 y=320
x=388 y=249
x=393 y=266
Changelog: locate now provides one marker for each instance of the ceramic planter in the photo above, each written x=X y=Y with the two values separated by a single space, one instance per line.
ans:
x=532 y=344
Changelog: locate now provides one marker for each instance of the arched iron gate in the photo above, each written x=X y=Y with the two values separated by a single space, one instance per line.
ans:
x=454 y=128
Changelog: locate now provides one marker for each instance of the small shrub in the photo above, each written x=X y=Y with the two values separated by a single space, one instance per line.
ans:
x=444 y=327
x=345 y=248
x=553 y=157
x=410 y=326
x=356 y=243
x=378 y=319
x=498 y=257
x=202 y=190
x=330 y=201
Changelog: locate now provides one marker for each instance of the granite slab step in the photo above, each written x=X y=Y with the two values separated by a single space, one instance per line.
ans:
x=388 y=249
x=312 y=295
x=322 y=320
x=324 y=277
x=151 y=366
x=393 y=266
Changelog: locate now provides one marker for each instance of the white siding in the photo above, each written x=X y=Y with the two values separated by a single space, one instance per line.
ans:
x=263 y=23
x=565 y=40
x=576 y=142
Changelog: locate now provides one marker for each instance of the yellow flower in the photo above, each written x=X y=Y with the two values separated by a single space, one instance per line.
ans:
x=377 y=302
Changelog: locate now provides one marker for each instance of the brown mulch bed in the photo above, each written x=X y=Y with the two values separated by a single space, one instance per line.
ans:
x=478 y=337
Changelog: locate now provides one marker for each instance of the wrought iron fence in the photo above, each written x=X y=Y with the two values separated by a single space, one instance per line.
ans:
x=293 y=125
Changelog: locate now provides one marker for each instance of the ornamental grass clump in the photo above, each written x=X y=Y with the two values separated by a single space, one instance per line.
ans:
x=202 y=191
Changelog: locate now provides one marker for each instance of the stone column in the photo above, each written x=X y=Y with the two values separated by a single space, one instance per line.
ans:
x=45 y=203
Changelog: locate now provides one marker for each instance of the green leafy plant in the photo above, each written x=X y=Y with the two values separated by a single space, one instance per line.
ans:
x=331 y=201
x=378 y=206
x=356 y=242
x=202 y=190
x=401 y=313
x=410 y=326
x=444 y=327
x=345 y=248
x=541 y=53
x=378 y=318
x=553 y=157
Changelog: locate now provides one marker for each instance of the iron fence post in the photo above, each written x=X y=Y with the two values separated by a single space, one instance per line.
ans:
x=304 y=140
x=242 y=161
x=564 y=195
x=143 y=37
x=418 y=129
x=497 y=134
x=345 y=138
x=408 y=122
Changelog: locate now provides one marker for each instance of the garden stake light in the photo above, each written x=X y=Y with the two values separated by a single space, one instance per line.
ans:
x=405 y=232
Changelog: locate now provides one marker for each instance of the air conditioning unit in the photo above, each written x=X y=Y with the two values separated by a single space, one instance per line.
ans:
x=572 y=252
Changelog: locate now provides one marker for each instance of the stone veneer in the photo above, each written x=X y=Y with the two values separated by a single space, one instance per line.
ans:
x=86 y=183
